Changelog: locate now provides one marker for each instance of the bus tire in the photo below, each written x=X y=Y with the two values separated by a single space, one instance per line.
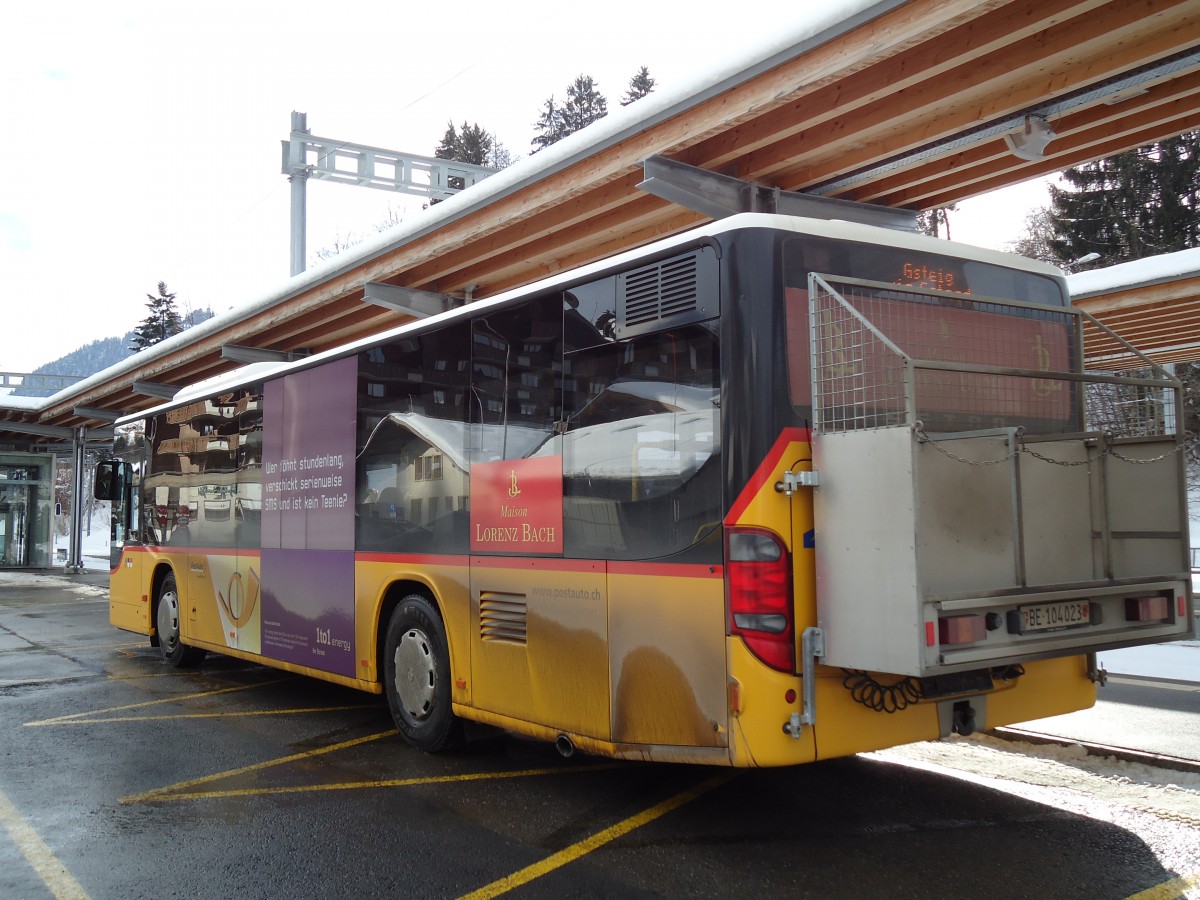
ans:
x=175 y=653
x=417 y=676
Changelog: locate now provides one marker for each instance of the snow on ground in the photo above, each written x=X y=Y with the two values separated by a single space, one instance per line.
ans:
x=34 y=579
x=95 y=538
x=1051 y=765
x=1161 y=806
x=1179 y=661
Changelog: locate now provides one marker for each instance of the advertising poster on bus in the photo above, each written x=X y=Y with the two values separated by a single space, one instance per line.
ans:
x=308 y=518
x=517 y=506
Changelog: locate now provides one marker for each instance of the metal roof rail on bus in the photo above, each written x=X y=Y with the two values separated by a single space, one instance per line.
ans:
x=717 y=196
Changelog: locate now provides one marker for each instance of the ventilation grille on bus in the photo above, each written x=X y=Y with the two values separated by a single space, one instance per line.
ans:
x=502 y=617
x=672 y=292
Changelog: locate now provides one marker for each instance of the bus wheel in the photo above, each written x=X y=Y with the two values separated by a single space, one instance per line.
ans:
x=417 y=676
x=174 y=651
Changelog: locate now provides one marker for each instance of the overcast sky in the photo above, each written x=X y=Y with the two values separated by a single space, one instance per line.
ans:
x=143 y=139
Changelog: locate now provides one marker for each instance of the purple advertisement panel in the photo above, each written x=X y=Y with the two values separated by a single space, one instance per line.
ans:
x=308 y=459
x=308 y=517
x=307 y=608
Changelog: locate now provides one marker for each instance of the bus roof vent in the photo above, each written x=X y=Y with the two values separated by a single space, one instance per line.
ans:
x=668 y=293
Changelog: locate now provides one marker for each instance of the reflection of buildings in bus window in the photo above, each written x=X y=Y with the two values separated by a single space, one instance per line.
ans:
x=197 y=451
x=217 y=503
x=247 y=500
x=416 y=468
x=517 y=365
x=590 y=314
x=640 y=457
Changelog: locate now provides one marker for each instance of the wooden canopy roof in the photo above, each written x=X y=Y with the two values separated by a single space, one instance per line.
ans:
x=1152 y=305
x=906 y=103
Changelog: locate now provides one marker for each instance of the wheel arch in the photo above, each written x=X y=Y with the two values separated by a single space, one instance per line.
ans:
x=392 y=595
x=161 y=570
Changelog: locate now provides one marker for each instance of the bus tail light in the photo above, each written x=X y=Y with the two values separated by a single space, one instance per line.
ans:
x=962 y=629
x=1154 y=608
x=759 y=587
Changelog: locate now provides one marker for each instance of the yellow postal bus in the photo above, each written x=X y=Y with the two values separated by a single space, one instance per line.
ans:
x=771 y=491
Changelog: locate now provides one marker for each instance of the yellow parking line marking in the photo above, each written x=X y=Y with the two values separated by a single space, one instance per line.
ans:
x=138 y=676
x=213 y=715
x=1168 y=890
x=61 y=720
x=383 y=783
x=157 y=793
x=587 y=845
x=52 y=647
x=181 y=790
x=52 y=872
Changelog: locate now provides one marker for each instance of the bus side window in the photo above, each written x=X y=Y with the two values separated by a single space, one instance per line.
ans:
x=642 y=445
x=118 y=492
x=411 y=470
x=134 y=480
x=516 y=380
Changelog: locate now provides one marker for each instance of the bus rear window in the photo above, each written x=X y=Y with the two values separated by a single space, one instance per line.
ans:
x=916 y=269
x=943 y=329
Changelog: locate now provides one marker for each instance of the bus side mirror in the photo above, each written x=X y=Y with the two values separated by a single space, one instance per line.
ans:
x=107 y=484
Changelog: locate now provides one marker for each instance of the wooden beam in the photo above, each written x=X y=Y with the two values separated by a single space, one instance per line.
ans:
x=1058 y=163
x=986 y=89
x=1165 y=105
x=962 y=44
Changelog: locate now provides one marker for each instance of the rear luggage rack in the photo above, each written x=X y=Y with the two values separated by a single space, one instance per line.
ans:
x=982 y=500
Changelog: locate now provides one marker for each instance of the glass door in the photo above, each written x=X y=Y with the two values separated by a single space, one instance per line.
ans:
x=14 y=525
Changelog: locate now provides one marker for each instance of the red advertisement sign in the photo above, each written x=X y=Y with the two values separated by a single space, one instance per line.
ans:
x=517 y=506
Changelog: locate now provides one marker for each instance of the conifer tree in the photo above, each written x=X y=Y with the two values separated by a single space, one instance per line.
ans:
x=471 y=144
x=162 y=322
x=1140 y=203
x=640 y=85
x=932 y=221
x=584 y=105
x=450 y=143
x=548 y=127
x=468 y=144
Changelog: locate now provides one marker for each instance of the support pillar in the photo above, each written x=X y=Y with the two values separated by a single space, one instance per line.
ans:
x=298 y=177
x=79 y=454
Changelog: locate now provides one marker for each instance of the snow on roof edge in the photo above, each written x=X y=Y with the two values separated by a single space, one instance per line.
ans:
x=1135 y=274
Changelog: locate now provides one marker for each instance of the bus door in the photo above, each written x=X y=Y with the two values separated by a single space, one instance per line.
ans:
x=642 y=490
x=539 y=647
x=120 y=481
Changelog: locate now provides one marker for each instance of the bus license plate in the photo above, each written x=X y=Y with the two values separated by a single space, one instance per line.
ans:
x=1047 y=616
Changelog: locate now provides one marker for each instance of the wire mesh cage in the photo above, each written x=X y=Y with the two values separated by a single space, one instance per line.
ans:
x=884 y=355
